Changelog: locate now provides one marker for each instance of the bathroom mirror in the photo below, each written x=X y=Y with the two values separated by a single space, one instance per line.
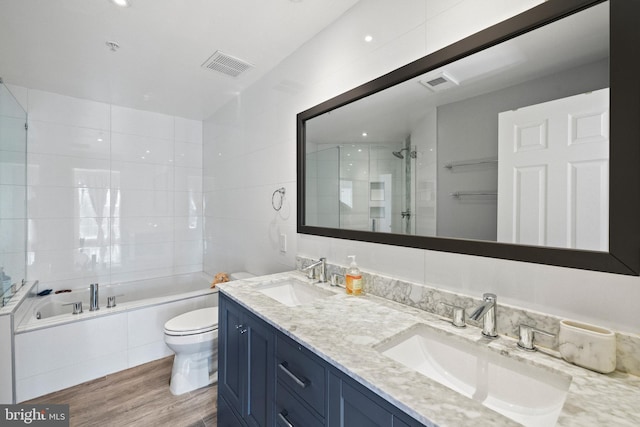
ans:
x=518 y=142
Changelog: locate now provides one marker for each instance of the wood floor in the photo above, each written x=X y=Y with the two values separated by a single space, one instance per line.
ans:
x=138 y=397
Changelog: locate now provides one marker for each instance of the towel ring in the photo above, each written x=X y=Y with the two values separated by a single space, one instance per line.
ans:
x=277 y=200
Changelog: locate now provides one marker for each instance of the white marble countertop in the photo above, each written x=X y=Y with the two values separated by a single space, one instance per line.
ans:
x=345 y=330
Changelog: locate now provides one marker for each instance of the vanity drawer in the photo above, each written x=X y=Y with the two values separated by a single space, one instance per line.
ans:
x=302 y=372
x=289 y=411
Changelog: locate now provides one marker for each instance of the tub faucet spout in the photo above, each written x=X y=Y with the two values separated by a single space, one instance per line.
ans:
x=487 y=312
x=93 y=297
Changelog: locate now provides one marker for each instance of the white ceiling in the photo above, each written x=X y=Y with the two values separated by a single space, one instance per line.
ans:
x=60 y=46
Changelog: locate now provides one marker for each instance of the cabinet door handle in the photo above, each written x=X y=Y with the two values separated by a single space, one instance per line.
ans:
x=282 y=417
x=239 y=326
x=301 y=381
x=242 y=331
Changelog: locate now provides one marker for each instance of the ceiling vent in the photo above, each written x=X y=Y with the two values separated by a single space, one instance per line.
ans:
x=439 y=81
x=226 y=64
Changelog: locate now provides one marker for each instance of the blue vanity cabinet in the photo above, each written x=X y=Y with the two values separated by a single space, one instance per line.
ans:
x=229 y=351
x=246 y=367
x=266 y=378
x=290 y=411
x=351 y=404
x=311 y=392
x=301 y=377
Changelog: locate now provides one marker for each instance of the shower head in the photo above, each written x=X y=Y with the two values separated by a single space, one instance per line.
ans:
x=398 y=154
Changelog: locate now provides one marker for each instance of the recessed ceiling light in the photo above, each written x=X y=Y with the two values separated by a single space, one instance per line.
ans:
x=368 y=38
x=364 y=134
x=121 y=3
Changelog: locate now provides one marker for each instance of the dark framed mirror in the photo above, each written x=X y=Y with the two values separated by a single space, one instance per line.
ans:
x=519 y=142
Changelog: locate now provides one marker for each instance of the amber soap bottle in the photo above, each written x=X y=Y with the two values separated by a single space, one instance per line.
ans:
x=353 y=278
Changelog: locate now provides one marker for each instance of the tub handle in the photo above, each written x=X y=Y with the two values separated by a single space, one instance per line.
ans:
x=77 y=306
x=111 y=301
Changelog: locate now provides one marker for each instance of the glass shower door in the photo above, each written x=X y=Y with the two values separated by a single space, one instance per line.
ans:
x=13 y=187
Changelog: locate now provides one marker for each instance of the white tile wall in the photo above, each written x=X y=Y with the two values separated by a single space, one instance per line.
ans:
x=249 y=151
x=64 y=110
x=59 y=139
x=188 y=202
x=141 y=123
x=113 y=193
x=141 y=149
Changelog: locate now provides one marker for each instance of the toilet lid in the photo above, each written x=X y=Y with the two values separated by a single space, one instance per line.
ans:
x=193 y=322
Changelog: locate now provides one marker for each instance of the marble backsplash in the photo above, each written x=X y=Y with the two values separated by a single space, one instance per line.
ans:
x=508 y=317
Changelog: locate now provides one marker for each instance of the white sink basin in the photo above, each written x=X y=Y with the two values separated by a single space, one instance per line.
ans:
x=292 y=293
x=528 y=394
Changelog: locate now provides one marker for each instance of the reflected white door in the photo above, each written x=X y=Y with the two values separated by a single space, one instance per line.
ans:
x=553 y=173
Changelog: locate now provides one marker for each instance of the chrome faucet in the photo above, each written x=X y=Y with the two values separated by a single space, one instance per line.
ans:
x=526 y=337
x=77 y=308
x=458 y=315
x=487 y=311
x=93 y=297
x=311 y=269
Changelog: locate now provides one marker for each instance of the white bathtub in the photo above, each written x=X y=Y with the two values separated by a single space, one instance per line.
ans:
x=55 y=309
x=60 y=349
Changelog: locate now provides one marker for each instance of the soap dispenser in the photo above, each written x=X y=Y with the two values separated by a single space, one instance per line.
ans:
x=353 y=278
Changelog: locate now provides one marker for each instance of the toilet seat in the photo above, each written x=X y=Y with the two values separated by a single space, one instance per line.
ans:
x=194 y=322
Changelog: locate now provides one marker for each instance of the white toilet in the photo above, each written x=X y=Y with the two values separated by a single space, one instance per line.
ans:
x=193 y=337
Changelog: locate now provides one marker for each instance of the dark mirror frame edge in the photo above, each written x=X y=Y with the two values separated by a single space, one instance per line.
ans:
x=624 y=172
